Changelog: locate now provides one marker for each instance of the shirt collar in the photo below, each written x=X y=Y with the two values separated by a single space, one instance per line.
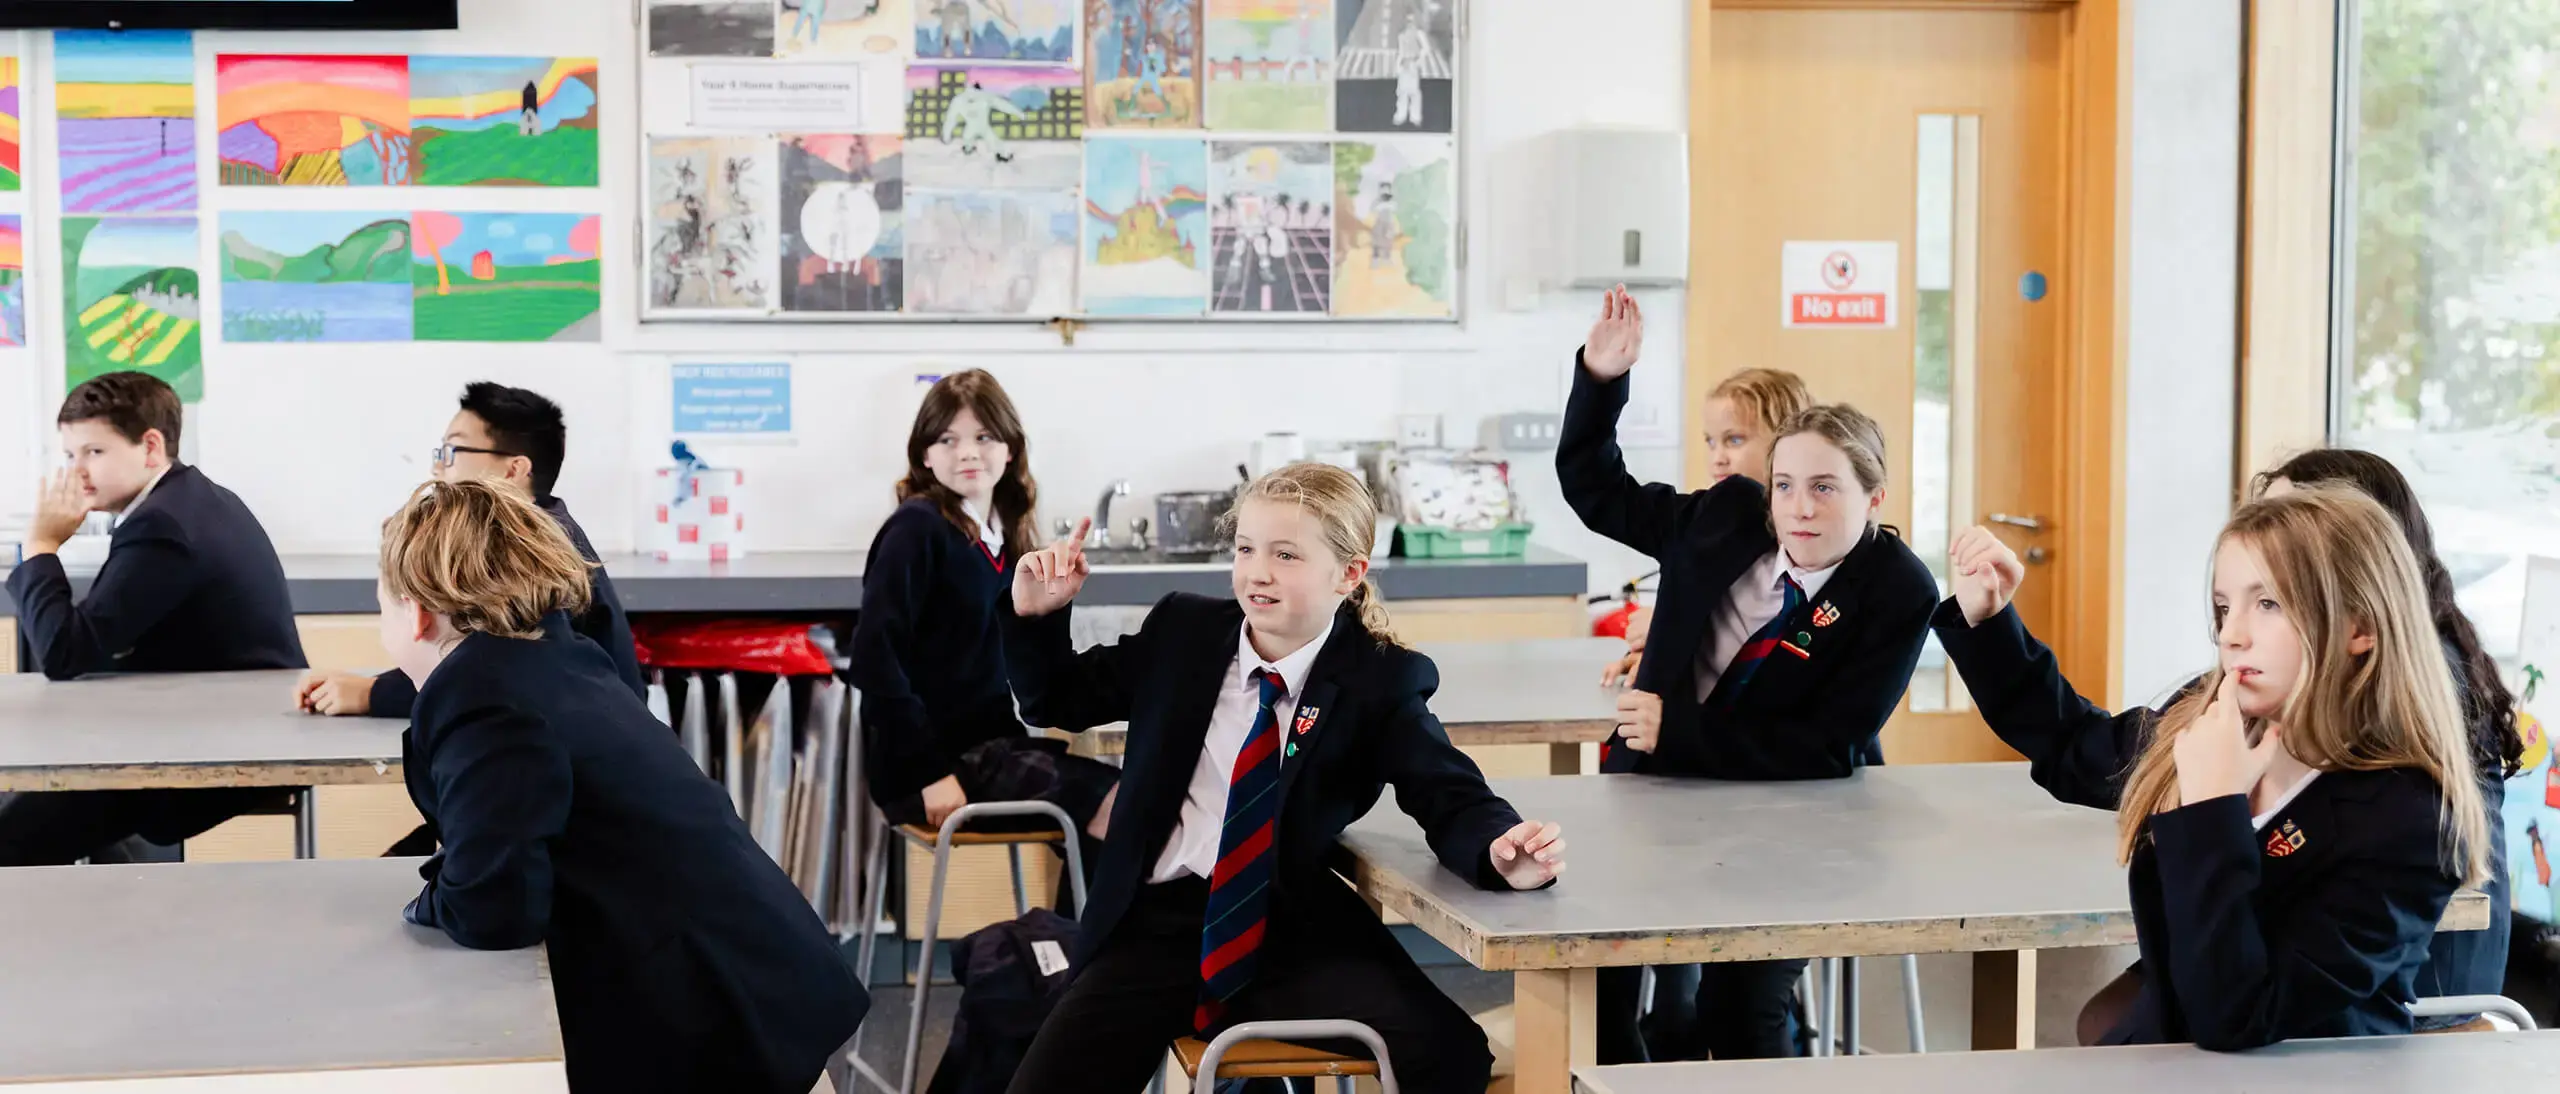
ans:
x=136 y=503
x=988 y=533
x=1811 y=581
x=1293 y=669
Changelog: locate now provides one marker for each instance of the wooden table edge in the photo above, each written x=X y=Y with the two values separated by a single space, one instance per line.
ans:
x=196 y=776
x=1112 y=740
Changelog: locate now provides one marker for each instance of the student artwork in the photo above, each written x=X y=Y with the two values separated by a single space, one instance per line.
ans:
x=126 y=105
x=130 y=300
x=2532 y=810
x=13 y=282
x=1395 y=228
x=1142 y=64
x=507 y=277
x=718 y=28
x=986 y=127
x=311 y=120
x=504 y=121
x=843 y=219
x=991 y=252
x=1271 y=221
x=1399 y=71
x=1270 y=64
x=1042 y=31
x=1146 y=227
x=9 y=139
x=810 y=29
x=316 y=276
x=711 y=222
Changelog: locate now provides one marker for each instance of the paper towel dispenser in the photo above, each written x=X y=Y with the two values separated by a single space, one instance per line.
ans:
x=1623 y=206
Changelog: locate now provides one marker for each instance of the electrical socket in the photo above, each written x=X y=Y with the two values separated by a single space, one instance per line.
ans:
x=1526 y=431
x=1418 y=431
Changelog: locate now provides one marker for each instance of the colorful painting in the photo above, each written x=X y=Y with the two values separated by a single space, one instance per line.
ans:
x=1146 y=229
x=13 y=281
x=316 y=276
x=843 y=223
x=989 y=127
x=9 y=139
x=130 y=300
x=126 y=101
x=2532 y=812
x=504 y=121
x=1142 y=67
x=1395 y=228
x=719 y=28
x=1001 y=252
x=712 y=222
x=996 y=30
x=1399 y=66
x=1270 y=64
x=311 y=120
x=855 y=29
x=507 y=277
x=1271 y=224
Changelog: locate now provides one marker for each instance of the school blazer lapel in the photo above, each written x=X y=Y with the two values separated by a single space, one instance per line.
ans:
x=1204 y=652
x=1817 y=632
x=1305 y=731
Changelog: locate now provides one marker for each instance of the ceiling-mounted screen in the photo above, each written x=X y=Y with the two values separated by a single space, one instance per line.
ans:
x=230 y=14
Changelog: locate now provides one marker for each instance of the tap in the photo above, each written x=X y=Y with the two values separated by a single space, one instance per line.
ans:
x=1102 y=512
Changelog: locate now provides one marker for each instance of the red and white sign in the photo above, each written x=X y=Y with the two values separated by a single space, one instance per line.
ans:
x=1835 y=284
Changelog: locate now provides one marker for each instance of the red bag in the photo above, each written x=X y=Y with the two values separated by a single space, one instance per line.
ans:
x=734 y=645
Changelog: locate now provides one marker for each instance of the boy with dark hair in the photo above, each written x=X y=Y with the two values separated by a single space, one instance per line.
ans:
x=191 y=584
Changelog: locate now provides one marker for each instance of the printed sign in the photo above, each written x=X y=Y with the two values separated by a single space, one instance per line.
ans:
x=1843 y=285
x=811 y=98
x=731 y=399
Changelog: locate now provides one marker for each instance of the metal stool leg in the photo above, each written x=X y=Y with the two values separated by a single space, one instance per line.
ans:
x=306 y=824
x=1911 y=1003
x=874 y=899
x=1021 y=896
x=1849 y=1001
x=933 y=907
x=1644 y=991
x=1830 y=1006
x=1206 y=1081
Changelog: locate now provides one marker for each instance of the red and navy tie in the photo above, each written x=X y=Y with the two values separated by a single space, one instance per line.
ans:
x=1240 y=887
x=1747 y=660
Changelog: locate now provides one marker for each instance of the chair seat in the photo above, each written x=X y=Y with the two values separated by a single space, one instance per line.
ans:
x=2481 y=1024
x=1271 y=1060
x=928 y=836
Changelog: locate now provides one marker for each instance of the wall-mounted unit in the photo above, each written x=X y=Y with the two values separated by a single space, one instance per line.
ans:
x=1622 y=206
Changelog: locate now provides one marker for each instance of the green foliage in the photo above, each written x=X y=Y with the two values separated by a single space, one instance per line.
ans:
x=1422 y=212
x=498 y=154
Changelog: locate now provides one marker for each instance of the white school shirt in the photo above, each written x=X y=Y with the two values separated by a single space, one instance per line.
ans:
x=988 y=533
x=1753 y=601
x=2260 y=821
x=1193 y=849
x=118 y=520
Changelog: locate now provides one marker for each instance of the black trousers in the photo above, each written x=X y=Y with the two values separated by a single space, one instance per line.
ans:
x=1109 y=1031
x=1737 y=1010
x=60 y=827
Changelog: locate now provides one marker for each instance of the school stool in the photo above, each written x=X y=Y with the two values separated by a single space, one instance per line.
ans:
x=2488 y=1008
x=942 y=842
x=1839 y=1005
x=302 y=807
x=1256 y=1050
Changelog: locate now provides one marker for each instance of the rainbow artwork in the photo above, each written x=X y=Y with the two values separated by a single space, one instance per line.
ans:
x=127 y=105
x=503 y=121
x=312 y=121
x=13 y=282
x=9 y=139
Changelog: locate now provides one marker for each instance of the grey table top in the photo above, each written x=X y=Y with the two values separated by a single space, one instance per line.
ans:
x=282 y=966
x=1943 y=858
x=2455 y=1063
x=831 y=581
x=181 y=730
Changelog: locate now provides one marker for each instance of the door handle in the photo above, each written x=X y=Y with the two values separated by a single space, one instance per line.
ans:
x=2028 y=524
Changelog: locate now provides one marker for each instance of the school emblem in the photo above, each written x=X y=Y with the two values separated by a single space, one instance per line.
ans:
x=1826 y=615
x=2285 y=840
x=1306 y=721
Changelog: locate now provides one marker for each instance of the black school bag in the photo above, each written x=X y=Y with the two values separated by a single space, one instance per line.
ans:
x=1010 y=974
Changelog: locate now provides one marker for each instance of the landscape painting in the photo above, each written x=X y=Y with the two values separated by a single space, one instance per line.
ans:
x=1146 y=231
x=1395 y=228
x=130 y=300
x=719 y=28
x=291 y=120
x=1399 y=69
x=994 y=127
x=849 y=29
x=503 y=121
x=1270 y=64
x=507 y=277
x=9 y=124
x=1041 y=31
x=712 y=222
x=843 y=223
x=1271 y=226
x=316 y=276
x=126 y=101
x=998 y=252
x=1142 y=64
x=13 y=281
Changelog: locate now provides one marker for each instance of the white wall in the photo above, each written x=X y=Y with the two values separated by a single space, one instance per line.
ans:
x=323 y=440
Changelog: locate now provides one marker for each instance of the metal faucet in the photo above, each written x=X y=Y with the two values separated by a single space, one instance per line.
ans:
x=1102 y=512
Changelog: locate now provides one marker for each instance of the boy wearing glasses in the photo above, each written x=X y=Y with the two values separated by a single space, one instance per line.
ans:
x=190 y=584
x=510 y=435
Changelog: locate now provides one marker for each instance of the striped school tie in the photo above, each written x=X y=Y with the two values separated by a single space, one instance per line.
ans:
x=1763 y=643
x=1240 y=887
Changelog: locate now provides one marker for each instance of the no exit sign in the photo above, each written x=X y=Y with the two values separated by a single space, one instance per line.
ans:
x=1839 y=284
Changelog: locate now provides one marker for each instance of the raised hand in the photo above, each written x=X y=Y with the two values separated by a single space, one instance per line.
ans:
x=60 y=507
x=2214 y=756
x=1616 y=339
x=1049 y=578
x=1530 y=854
x=1987 y=573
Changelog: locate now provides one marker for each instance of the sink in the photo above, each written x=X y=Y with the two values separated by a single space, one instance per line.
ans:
x=1131 y=556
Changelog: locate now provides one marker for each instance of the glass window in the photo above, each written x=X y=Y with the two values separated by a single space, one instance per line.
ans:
x=2448 y=294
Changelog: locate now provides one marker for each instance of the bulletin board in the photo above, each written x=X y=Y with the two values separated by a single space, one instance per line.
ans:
x=1012 y=160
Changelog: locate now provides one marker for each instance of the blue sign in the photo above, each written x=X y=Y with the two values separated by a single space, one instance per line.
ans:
x=732 y=399
x=2031 y=286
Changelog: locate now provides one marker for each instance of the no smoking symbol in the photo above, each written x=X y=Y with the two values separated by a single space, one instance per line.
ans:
x=1839 y=271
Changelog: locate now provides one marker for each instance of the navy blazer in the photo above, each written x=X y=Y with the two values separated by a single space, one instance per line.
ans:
x=1812 y=717
x=191 y=584
x=927 y=652
x=682 y=958
x=603 y=623
x=2316 y=926
x=1372 y=728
